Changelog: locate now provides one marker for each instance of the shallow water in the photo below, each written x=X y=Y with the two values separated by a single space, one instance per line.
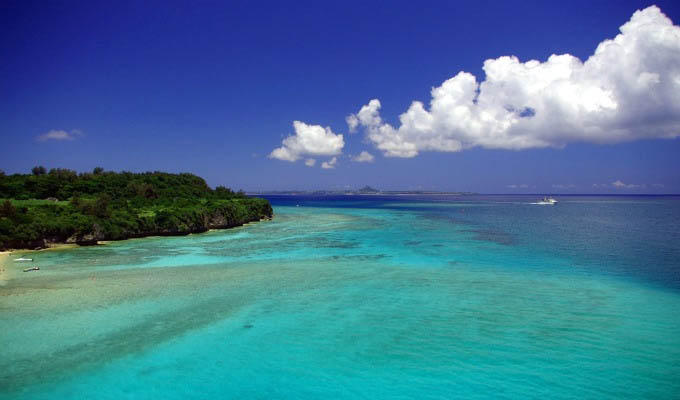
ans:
x=362 y=297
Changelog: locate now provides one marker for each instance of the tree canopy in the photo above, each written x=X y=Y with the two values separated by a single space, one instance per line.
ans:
x=63 y=205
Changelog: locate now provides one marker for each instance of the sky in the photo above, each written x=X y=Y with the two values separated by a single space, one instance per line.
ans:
x=479 y=96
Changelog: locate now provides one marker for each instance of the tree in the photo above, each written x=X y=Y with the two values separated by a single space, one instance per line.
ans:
x=101 y=206
x=76 y=201
x=222 y=192
x=39 y=170
x=7 y=209
x=98 y=171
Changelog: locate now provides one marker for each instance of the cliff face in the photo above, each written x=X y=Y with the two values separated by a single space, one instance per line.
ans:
x=88 y=237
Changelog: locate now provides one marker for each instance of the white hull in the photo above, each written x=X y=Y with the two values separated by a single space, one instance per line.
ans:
x=547 y=201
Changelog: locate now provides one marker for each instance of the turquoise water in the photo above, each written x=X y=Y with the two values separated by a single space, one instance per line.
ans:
x=362 y=297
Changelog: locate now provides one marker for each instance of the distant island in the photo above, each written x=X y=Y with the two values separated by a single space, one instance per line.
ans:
x=63 y=206
x=366 y=190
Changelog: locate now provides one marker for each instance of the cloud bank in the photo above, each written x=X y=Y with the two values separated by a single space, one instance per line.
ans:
x=55 y=134
x=564 y=186
x=520 y=186
x=309 y=140
x=620 y=185
x=629 y=89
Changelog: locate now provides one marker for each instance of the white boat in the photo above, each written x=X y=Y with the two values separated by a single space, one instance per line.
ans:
x=547 y=201
x=23 y=259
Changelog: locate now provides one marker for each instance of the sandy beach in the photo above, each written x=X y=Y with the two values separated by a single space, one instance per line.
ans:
x=4 y=265
x=6 y=271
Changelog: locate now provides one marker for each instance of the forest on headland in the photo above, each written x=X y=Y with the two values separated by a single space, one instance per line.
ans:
x=63 y=206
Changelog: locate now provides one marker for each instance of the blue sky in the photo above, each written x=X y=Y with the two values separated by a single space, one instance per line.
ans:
x=213 y=88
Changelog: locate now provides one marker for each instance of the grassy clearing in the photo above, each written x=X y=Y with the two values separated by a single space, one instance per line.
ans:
x=35 y=202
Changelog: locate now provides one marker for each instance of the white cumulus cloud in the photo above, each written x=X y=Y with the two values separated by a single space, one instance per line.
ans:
x=55 y=134
x=364 y=156
x=310 y=162
x=352 y=122
x=628 y=89
x=330 y=164
x=309 y=140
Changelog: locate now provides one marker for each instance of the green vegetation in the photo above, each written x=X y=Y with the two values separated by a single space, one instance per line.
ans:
x=62 y=206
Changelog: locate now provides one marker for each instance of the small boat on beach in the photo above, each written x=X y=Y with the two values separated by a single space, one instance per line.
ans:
x=23 y=259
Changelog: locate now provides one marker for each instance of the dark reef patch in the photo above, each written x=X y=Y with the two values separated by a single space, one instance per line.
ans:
x=494 y=236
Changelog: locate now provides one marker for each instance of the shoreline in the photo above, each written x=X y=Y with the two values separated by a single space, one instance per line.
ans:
x=5 y=258
x=4 y=267
x=63 y=245
x=5 y=275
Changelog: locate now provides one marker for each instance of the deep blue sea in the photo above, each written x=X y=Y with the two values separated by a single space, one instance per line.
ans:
x=361 y=297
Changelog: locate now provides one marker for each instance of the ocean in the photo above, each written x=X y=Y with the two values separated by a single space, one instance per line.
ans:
x=362 y=297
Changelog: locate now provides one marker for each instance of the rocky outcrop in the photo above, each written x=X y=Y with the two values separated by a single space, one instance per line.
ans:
x=87 y=239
